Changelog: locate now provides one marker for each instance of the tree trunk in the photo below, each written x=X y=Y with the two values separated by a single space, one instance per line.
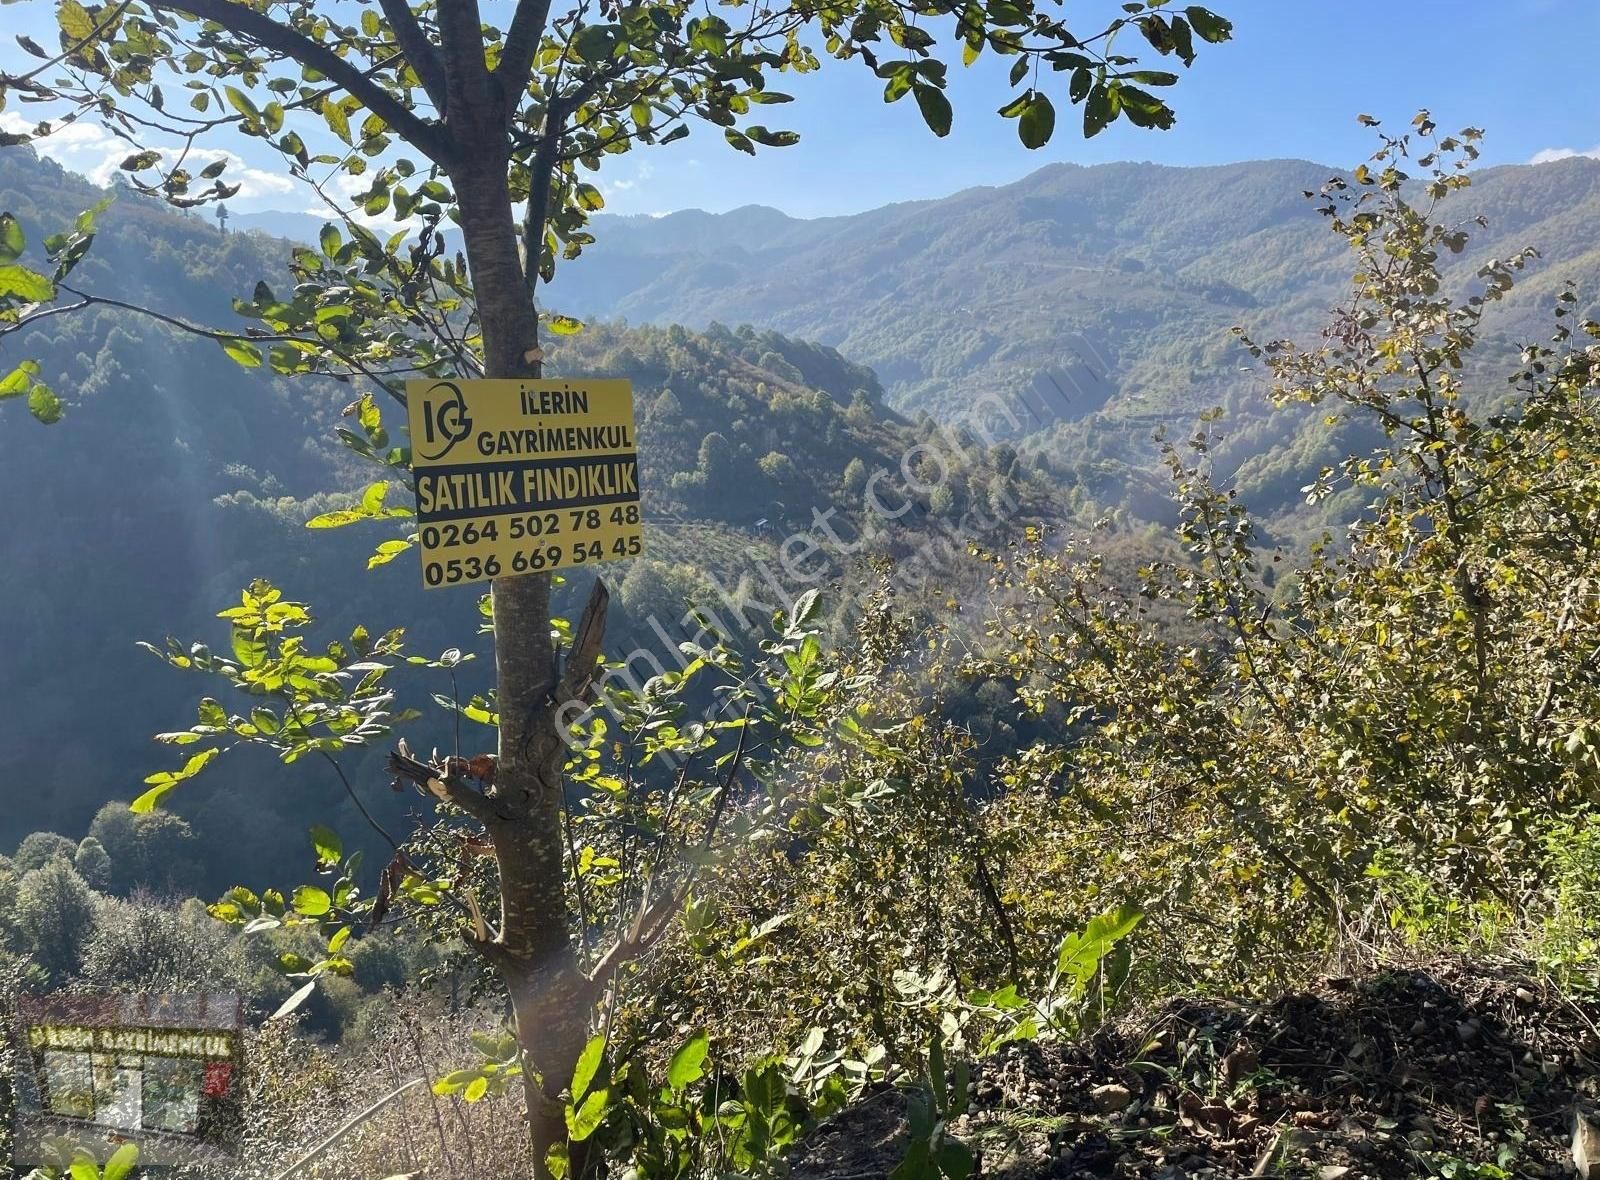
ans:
x=534 y=953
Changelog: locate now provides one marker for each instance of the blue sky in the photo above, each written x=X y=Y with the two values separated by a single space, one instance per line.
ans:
x=1290 y=84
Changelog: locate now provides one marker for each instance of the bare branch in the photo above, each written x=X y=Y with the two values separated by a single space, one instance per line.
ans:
x=653 y=917
x=87 y=300
x=447 y=788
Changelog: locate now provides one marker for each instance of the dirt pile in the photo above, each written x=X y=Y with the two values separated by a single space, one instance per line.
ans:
x=1464 y=1073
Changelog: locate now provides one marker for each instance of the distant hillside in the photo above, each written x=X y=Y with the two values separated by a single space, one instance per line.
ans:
x=176 y=478
x=1144 y=266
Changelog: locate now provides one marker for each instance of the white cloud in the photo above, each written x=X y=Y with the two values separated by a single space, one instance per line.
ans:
x=1550 y=155
x=92 y=151
x=644 y=173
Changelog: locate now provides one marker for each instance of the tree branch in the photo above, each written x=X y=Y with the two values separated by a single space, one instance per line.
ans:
x=427 y=137
x=468 y=85
x=522 y=42
x=651 y=920
x=420 y=53
x=87 y=300
x=447 y=788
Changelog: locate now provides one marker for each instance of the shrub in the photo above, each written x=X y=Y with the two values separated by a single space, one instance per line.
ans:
x=54 y=916
x=40 y=848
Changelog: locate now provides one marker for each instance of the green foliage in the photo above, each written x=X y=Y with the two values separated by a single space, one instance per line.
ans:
x=1569 y=941
x=145 y=943
x=779 y=468
x=1415 y=700
x=40 y=848
x=326 y=702
x=583 y=87
x=154 y=851
x=53 y=915
x=934 y=1152
x=700 y=1118
x=92 y=863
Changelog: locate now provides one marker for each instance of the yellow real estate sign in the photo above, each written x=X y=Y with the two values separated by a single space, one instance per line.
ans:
x=516 y=477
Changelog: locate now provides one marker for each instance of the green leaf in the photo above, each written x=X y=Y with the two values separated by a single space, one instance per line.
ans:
x=935 y=108
x=1038 y=121
x=1017 y=105
x=248 y=647
x=688 y=1063
x=83 y=1169
x=75 y=20
x=1142 y=108
x=768 y=138
x=585 y=1120
x=163 y=781
x=85 y=220
x=588 y=1065
x=325 y=843
x=1081 y=953
x=338 y=518
x=121 y=1162
x=387 y=551
x=311 y=901
x=564 y=325
x=44 y=405
x=338 y=122
x=476 y=1088
x=1097 y=111
x=19 y=380
x=594 y=43
x=11 y=240
x=1183 y=40
x=588 y=197
x=956 y=1161
x=240 y=101
x=1211 y=27
x=242 y=351
x=805 y=608
x=21 y=283
x=330 y=239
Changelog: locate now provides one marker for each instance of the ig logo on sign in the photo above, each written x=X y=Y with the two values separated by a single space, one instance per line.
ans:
x=444 y=419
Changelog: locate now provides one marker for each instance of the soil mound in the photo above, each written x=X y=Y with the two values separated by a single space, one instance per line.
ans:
x=1460 y=1071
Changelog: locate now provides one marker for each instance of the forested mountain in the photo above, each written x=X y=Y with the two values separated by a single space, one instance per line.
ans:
x=1100 y=297
x=182 y=478
x=1145 y=267
x=1104 y=296
x=178 y=478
